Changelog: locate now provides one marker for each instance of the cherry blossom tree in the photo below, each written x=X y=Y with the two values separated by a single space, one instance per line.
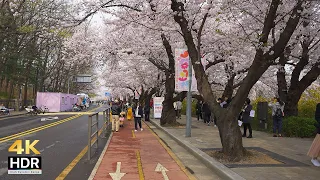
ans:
x=266 y=54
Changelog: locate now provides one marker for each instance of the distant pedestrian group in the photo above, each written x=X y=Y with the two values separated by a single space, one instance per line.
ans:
x=120 y=111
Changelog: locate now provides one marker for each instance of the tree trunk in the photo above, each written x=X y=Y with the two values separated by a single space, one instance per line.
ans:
x=25 y=95
x=291 y=106
x=281 y=79
x=168 y=115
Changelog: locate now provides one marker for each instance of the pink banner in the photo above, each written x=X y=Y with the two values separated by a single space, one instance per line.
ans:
x=182 y=71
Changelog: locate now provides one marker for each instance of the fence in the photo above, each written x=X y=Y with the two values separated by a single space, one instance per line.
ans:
x=95 y=135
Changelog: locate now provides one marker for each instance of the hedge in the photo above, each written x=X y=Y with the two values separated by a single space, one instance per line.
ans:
x=299 y=127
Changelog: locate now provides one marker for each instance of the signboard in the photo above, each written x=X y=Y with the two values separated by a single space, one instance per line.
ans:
x=157 y=106
x=107 y=94
x=83 y=78
x=182 y=71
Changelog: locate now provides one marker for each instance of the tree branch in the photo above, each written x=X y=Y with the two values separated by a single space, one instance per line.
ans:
x=215 y=62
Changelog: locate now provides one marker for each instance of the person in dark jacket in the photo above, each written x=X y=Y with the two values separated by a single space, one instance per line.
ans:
x=138 y=114
x=246 y=119
x=147 y=112
x=314 y=151
x=206 y=113
x=115 y=111
x=199 y=110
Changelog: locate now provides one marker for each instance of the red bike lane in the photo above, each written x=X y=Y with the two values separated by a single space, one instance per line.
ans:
x=139 y=155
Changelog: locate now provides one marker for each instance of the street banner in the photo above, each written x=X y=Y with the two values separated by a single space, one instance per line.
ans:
x=157 y=106
x=182 y=71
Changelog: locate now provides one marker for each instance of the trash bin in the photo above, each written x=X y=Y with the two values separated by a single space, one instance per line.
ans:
x=262 y=114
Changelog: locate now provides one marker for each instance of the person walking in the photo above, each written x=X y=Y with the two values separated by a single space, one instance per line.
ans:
x=138 y=113
x=175 y=108
x=246 y=119
x=277 y=116
x=199 y=110
x=314 y=151
x=206 y=113
x=115 y=111
x=179 y=107
x=147 y=112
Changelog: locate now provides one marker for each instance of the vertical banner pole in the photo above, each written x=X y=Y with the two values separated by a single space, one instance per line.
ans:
x=189 y=102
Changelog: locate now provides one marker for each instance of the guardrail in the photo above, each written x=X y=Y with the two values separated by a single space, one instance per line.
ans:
x=95 y=134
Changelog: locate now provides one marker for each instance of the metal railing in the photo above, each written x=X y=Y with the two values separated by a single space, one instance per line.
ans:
x=95 y=135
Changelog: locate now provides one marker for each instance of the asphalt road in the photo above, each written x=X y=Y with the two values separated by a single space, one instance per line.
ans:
x=59 y=145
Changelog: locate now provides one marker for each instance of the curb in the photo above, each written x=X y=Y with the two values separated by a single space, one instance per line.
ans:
x=95 y=169
x=220 y=169
x=1 y=117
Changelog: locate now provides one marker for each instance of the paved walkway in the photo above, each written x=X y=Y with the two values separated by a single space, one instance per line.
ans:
x=137 y=155
x=204 y=136
x=14 y=113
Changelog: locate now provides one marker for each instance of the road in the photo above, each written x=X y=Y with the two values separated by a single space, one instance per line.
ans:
x=60 y=142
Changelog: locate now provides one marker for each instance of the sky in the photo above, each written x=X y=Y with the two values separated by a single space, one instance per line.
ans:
x=97 y=22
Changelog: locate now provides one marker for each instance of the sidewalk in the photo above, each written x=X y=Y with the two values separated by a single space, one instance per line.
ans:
x=291 y=151
x=14 y=113
x=136 y=155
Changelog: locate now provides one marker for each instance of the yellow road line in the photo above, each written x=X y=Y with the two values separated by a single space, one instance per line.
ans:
x=14 y=136
x=140 y=170
x=174 y=157
x=75 y=161
x=133 y=134
x=30 y=131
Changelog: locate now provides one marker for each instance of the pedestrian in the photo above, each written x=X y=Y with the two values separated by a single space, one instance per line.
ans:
x=175 y=108
x=314 y=151
x=179 y=107
x=138 y=113
x=277 y=116
x=147 y=112
x=246 y=119
x=199 y=110
x=115 y=111
x=223 y=103
x=206 y=113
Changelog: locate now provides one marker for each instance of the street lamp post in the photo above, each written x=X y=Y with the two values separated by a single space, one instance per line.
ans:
x=69 y=84
x=188 y=125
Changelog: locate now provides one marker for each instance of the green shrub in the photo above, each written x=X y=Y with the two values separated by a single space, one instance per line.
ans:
x=308 y=102
x=299 y=126
x=193 y=107
x=4 y=95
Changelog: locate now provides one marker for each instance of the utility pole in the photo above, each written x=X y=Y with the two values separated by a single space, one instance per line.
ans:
x=69 y=84
x=188 y=125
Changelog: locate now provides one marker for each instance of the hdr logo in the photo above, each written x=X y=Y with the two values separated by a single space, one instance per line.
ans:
x=24 y=164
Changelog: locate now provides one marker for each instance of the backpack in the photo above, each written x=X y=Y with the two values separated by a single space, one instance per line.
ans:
x=279 y=112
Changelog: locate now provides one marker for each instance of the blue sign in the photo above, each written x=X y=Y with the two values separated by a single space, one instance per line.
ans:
x=107 y=94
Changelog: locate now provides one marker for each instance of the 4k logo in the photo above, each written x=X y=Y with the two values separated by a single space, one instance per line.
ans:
x=18 y=147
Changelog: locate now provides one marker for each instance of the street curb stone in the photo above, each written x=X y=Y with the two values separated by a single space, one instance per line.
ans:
x=95 y=169
x=211 y=163
x=14 y=115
